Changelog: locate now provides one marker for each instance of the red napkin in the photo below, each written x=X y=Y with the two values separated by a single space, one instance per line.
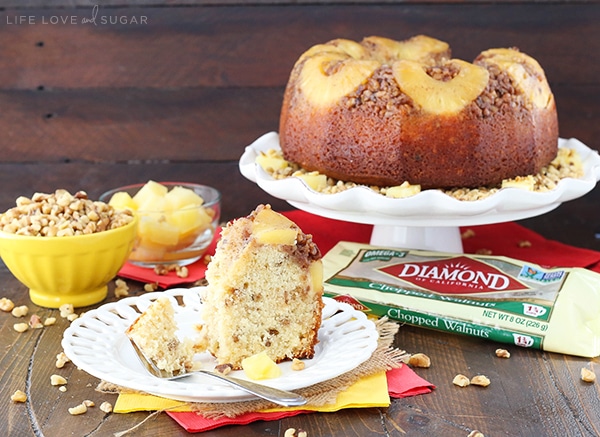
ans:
x=196 y=271
x=402 y=382
x=503 y=239
x=506 y=239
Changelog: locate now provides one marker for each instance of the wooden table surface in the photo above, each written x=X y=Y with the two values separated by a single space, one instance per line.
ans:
x=533 y=393
x=91 y=107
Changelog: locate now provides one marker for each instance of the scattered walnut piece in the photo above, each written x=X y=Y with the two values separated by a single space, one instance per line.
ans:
x=419 y=360
x=182 y=272
x=57 y=380
x=468 y=233
x=72 y=317
x=6 y=304
x=18 y=396
x=79 y=409
x=106 y=407
x=165 y=269
x=35 y=322
x=502 y=353
x=89 y=403
x=461 y=380
x=61 y=360
x=20 y=311
x=223 y=369
x=298 y=364
x=587 y=375
x=475 y=433
x=50 y=321
x=293 y=432
x=62 y=388
x=66 y=309
x=121 y=288
x=480 y=380
x=151 y=286
x=524 y=243
x=21 y=327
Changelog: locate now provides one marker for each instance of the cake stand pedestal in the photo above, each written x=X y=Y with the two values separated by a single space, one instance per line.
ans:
x=420 y=232
x=442 y=239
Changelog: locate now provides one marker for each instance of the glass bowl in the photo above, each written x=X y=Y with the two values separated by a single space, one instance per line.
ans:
x=174 y=227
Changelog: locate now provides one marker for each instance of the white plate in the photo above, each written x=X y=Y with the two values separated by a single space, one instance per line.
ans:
x=96 y=343
x=426 y=209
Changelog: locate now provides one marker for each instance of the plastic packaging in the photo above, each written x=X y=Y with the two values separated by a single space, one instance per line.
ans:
x=489 y=297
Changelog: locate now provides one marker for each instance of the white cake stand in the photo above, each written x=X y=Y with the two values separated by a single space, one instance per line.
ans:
x=429 y=220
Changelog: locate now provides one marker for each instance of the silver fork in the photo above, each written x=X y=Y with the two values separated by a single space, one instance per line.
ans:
x=279 y=397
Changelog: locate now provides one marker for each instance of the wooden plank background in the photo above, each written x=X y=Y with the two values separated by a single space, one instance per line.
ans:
x=194 y=82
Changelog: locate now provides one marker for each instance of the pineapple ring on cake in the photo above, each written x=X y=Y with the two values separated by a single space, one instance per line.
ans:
x=384 y=112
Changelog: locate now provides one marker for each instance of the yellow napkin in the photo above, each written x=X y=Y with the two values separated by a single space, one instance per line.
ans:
x=371 y=391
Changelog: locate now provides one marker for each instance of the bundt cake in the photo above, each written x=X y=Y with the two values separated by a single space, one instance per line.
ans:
x=384 y=112
x=264 y=292
x=155 y=334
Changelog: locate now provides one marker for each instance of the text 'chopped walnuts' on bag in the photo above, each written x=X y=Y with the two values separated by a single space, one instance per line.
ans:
x=490 y=297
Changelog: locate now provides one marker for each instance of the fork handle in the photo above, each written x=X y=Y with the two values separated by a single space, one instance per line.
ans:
x=279 y=397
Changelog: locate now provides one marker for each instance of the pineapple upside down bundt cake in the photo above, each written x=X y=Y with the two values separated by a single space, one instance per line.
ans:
x=264 y=292
x=383 y=112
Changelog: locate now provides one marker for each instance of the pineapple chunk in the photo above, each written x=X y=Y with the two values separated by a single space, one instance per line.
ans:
x=441 y=97
x=314 y=180
x=271 y=161
x=146 y=196
x=260 y=366
x=157 y=231
x=270 y=227
x=277 y=236
x=316 y=275
x=122 y=200
x=181 y=197
x=188 y=218
x=522 y=182
x=403 y=190
x=327 y=77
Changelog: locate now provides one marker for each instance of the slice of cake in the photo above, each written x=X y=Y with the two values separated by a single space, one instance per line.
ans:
x=264 y=293
x=155 y=333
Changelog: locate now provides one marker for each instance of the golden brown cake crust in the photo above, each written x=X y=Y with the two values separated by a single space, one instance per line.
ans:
x=378 y=135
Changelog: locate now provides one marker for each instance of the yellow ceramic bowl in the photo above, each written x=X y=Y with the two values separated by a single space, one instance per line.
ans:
x=67 y=270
